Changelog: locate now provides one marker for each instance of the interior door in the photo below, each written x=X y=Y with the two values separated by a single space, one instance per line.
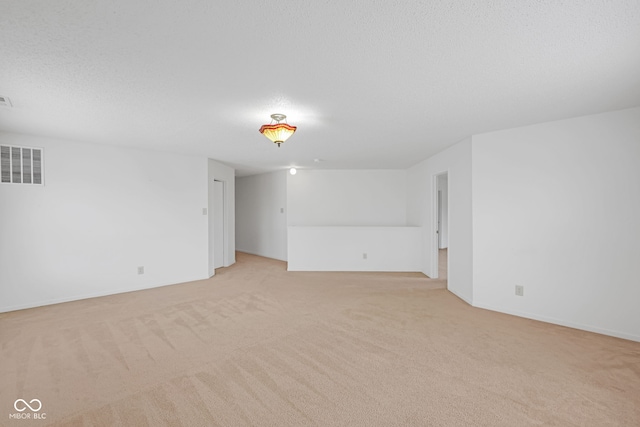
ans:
x=218 y=224
x=439 y=210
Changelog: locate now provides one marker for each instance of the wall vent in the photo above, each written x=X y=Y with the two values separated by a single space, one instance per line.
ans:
x=5 y=102
x=21 y=165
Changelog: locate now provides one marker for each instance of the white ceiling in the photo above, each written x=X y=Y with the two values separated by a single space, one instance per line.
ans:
x=369 y=83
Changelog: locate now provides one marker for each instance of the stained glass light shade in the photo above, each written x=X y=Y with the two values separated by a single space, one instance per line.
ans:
x=278 y=132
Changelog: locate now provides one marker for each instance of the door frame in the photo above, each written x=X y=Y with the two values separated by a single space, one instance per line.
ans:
x=224 y=224
x=211 y=224
x=435 y=232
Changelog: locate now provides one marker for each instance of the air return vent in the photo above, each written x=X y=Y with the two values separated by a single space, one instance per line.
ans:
x=4 y=101
x=21 y=165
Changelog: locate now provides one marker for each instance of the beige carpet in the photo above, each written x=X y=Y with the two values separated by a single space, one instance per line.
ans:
x=442 y=263
x=256 y=345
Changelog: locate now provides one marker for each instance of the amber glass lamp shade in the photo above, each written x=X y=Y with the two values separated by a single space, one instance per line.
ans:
x=278 y=132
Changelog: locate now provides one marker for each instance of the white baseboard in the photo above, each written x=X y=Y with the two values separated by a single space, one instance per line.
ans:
x=257 y=254
x=461 y=297
x=561 y=322
x=87 y=296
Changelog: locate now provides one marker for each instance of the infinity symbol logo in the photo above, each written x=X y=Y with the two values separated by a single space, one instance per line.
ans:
x=26 y=405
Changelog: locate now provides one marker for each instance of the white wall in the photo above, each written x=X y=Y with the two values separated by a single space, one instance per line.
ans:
x=421 y=194
x=221 y=172
x=347 y=197
x=335 y=216
x=261 y=213
x=342 y=248
x=556 y=209
x=102 y=212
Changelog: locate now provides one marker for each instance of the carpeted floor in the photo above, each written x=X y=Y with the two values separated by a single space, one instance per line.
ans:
x=257 y=345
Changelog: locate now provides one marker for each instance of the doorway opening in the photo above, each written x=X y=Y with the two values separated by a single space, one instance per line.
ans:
x=440 y=246
x=218 y=224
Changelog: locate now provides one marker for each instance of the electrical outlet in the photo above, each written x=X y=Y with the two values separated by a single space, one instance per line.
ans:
x=519 y=290
x=141 y=270
x=364 y=255
x=281 y=210
x=204 y=211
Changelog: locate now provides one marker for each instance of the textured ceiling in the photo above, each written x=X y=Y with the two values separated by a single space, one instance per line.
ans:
x=369 y=83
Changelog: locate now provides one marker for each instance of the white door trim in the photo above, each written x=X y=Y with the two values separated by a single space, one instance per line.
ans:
x=435 y=209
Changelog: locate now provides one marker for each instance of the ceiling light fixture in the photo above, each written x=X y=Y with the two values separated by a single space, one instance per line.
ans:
x=278 y=132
